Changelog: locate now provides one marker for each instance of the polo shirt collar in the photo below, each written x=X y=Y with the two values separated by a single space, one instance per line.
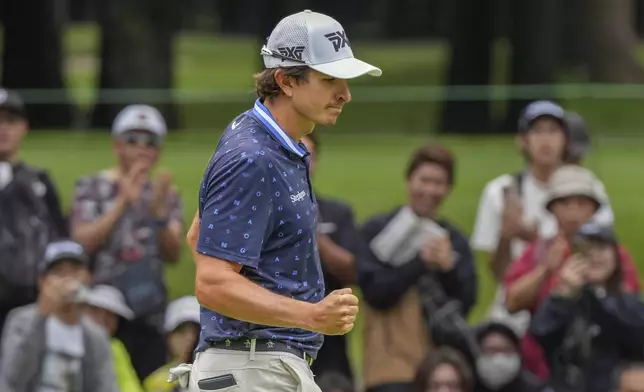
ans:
x=262 y=114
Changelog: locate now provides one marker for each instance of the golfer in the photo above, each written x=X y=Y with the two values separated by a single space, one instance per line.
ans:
x=259 y=279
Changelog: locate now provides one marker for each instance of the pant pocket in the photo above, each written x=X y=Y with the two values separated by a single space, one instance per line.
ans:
x=220 y=383
x=301 y=373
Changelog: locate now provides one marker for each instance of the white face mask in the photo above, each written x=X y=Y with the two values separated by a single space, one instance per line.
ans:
x=497 y=370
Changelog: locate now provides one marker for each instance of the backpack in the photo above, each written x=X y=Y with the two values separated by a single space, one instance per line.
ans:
x=25 y=230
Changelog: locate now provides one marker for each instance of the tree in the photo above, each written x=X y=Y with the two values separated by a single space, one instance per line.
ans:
x=533 y=37
x=33 y=59
x=137 y=53
x=471 y=34
x=610 y=32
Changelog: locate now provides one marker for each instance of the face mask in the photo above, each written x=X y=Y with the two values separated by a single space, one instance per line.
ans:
x=497 y=370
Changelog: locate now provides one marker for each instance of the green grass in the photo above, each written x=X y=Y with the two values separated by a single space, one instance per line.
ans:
x=368 y=173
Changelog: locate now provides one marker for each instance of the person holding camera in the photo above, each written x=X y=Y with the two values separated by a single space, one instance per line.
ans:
x=590 y=323
x=573 y=199
x=413 y=264
x=48 y=345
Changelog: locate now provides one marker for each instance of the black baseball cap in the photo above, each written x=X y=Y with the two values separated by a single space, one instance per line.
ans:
x=12 y=102
x=63 y=250
x=538 y=109
x=597 y=233
x=579 y=143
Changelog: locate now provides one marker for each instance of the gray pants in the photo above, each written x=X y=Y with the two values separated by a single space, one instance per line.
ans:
x=251 y=372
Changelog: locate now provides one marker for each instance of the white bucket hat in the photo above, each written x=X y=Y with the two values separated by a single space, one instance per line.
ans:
x=572 y=180
x=111 y=299
x=182 y=310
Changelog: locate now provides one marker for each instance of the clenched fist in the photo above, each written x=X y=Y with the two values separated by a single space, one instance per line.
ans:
x=336 y=313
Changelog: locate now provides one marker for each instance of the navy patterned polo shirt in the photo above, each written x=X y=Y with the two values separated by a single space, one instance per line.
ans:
x=257 y=209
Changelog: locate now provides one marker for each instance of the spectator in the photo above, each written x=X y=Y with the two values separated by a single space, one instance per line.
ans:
x=589 y=323
x=573 y=199
x=334 y=381
x=444 y=370
x=338 y=244
x=499 y=364
x=396 y=324
x=579 y=143
x=27 y=194
x=49 y=346
x=182 y=334
x=630 y=377
x=106 y=307
x=511 y=211
x=131 y=224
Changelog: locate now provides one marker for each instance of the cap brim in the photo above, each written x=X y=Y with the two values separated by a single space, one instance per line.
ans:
x=115 y=308
x=348 y=68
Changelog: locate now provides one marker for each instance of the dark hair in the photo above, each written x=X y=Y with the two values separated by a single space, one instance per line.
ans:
x=334 y=381
x=432 y=153
x=266 y=86
x=500 y=328
x=614 y=282
x=443 y=356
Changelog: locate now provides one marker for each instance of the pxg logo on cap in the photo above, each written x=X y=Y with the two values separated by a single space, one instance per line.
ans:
x=317 y=41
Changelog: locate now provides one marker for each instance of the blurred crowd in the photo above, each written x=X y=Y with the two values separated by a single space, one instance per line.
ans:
x=84 y=305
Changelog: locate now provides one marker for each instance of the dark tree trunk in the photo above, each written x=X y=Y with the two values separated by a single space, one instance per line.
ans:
x=534 y=52
x=572 y=50
x=33 y=59
x=611 y=35
x=136 y=53
x=471 y=35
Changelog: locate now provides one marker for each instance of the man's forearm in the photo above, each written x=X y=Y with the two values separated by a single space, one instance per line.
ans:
x=92 y=234
x=501 y=259
x=234 y=296
x=523 y=293
x=170 y=241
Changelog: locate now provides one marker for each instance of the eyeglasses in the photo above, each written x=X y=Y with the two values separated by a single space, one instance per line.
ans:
x=141 y=138
x=269 y=52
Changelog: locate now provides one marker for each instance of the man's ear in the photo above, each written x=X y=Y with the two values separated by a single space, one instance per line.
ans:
x=286 y=83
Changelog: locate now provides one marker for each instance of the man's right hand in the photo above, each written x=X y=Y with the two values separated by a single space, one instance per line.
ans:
x=555 y=254
x=55 y=292
x=336 y=313
x=131 y=183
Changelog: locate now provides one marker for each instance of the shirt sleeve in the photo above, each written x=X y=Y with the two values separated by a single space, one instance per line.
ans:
x=53 y=205
x=236 y=208
x=487 y=226
x=85 y=207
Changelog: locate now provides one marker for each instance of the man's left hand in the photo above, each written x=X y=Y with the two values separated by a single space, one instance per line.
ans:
x=437 y=253
x=161 y=188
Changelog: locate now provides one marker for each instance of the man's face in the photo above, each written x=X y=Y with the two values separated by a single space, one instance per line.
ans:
x=320 y=99
x=427 y=187
x=13 y=128
x=138 y=145
x=573 y=212
x=104 y=318
x=632 y=381
x=545 y=142
x=314 y=156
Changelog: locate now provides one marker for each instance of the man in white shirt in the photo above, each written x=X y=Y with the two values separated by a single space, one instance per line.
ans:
x=511 y=211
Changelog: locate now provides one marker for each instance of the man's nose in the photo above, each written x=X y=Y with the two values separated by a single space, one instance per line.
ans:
x=344 y=94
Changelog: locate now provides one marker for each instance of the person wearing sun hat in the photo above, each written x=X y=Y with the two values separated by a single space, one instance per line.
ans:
x=573 y=199
x=181 y=326
x=106 y=307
